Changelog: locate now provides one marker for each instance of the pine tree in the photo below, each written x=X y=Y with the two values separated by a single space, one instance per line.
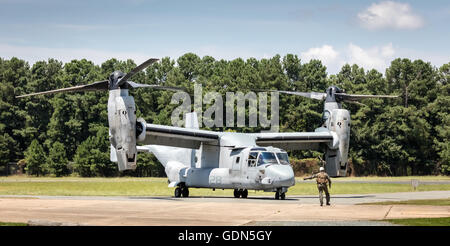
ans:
x=57 y=160
x=36 y=159
x=92 y=156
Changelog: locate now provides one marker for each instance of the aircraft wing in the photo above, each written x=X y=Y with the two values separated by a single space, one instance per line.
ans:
x=294 y=140
x=179 y=136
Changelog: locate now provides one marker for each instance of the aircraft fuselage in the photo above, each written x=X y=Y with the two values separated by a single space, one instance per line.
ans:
x=227 y=167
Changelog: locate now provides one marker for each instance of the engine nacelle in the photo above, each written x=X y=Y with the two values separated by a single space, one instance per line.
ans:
x=122 y=127
x=337 y=158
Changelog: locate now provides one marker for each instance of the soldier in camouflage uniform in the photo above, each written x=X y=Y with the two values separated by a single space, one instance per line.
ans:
x=322 y=180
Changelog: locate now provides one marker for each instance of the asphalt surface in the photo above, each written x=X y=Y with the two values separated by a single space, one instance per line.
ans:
x=350 y=199
x=337 y=180
x=320 y=223
x=295 y=210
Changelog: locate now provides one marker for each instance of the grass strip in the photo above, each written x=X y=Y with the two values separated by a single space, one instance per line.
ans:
x=421 y=221
x=158 y=187
x=13 y=224
x=429 y=202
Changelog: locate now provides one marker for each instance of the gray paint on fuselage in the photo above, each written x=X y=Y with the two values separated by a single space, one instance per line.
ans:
x=225 y=166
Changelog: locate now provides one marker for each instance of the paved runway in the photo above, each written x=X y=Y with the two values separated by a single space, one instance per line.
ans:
x=296 y=210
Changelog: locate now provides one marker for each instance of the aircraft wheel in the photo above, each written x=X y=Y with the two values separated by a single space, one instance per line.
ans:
x=185 y=192
x=178 y=192
x=237 y=193
x=244 y=193
x=277 y=195
x=283 y=196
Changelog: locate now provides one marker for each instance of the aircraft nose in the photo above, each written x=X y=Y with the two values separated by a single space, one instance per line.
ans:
x=282 y=175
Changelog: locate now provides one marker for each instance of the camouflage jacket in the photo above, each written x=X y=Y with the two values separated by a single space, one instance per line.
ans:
x=321 y=178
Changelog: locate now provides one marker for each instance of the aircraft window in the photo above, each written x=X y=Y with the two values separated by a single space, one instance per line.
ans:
x=267 y=158
x=264 y=149
x=238 y=159
x=326 y=115
x=252 y=159
x=283 y=158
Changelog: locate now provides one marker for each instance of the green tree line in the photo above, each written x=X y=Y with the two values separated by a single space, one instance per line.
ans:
x=65 y=134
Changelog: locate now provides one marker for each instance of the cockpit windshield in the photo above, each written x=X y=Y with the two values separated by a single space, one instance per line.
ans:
x=284 y=158
x=267 y=158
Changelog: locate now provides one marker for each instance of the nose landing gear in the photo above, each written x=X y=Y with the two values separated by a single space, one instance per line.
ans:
x=280 y=194
x=240 y=193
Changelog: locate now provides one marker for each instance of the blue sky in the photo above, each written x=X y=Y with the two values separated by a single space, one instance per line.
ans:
x=368 y=33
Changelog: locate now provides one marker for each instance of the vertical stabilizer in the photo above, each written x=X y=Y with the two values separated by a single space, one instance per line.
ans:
x=191 y=121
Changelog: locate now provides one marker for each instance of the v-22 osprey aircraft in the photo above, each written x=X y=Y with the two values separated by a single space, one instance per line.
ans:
x=195 y=158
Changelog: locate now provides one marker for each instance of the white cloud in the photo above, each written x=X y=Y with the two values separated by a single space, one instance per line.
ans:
x=326 y=54
x=33 y=54
x=376 y=57
x=227 y=53
x=387 y=50
x=390 y=14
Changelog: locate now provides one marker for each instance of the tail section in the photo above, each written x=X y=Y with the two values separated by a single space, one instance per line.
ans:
x=165 y=154
x=191 y=121
x=176 y=161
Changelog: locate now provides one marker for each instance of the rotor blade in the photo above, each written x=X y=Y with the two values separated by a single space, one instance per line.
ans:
x=313 y=95
x=355 y=102
x=96 y=86
x=355 y=97
x=137 y=69
x=160 y=87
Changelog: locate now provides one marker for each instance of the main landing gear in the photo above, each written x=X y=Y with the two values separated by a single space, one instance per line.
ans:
x=181 y=191
x=240 y=193
x=279 y=194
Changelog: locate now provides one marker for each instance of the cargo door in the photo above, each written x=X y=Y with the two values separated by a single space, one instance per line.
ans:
x=236 y=167
x=236 y=163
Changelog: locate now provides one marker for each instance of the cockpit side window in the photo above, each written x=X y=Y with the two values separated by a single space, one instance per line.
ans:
x=283 y=158
x=267 y=158
x=252 y=159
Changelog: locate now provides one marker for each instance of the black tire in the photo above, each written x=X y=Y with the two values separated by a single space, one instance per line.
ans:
x=283 y=196
x=178 y=192
x=244 y=193
x=185 y=192
x=237 y=193
x=277 y=195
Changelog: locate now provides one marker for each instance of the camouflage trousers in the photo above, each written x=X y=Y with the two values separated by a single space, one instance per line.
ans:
x=323 y=188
